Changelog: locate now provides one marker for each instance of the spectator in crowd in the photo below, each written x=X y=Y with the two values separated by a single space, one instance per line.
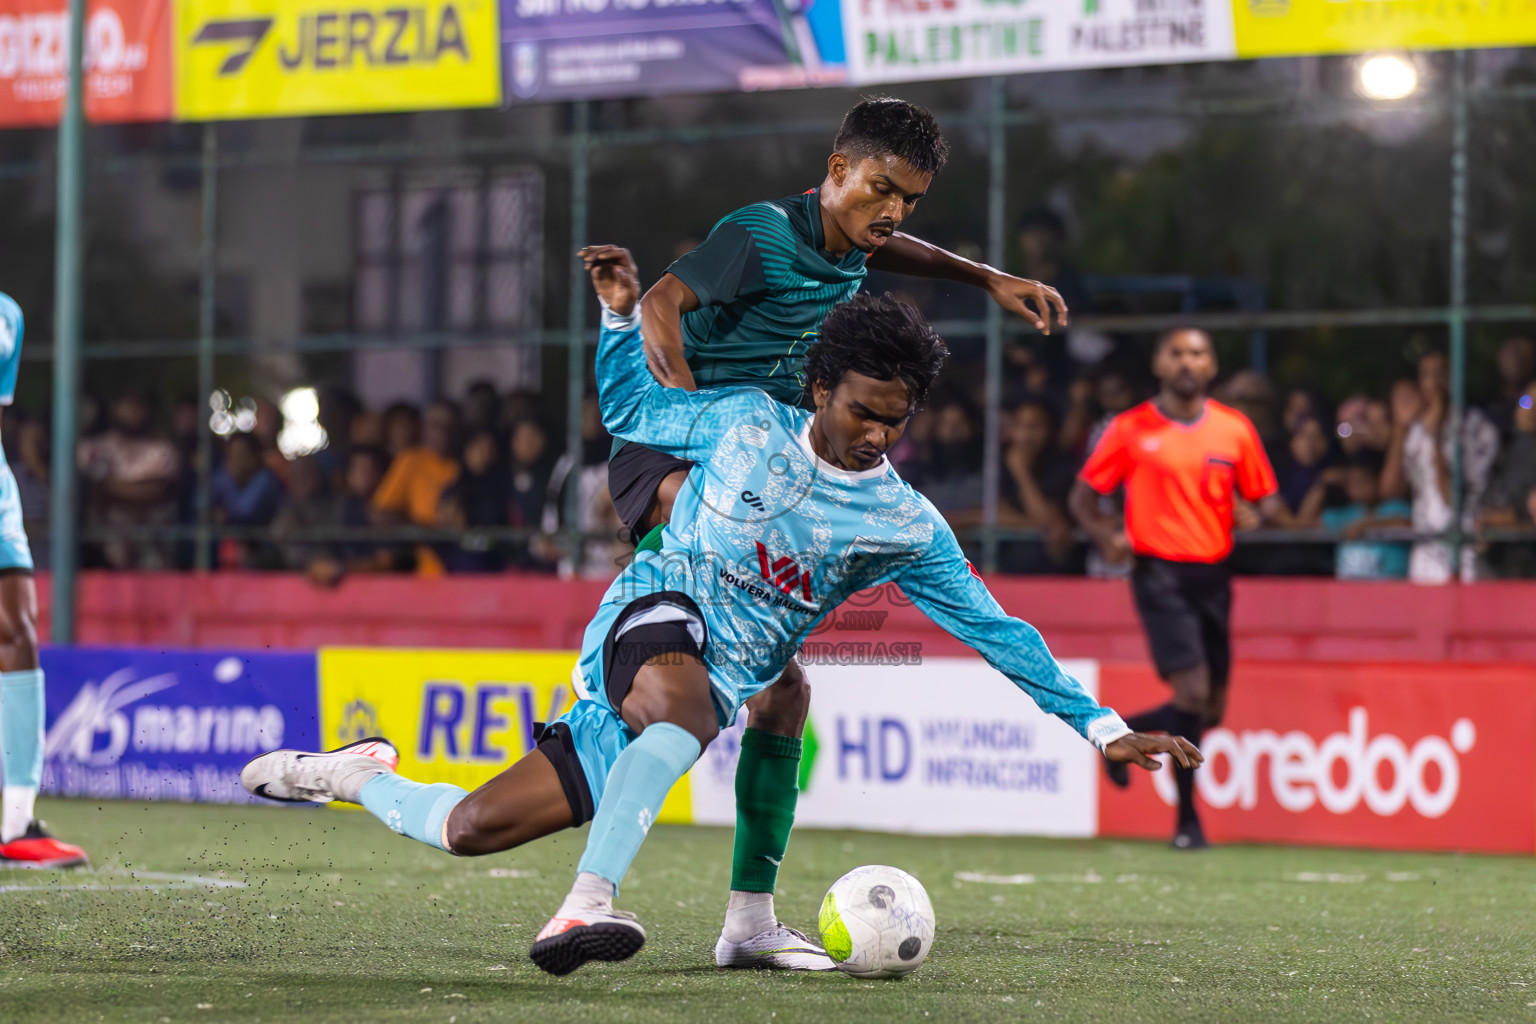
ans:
x=365 y=470
x=413 y=487
x=1364 y=424
x=1418 y=465
x=1250 y=393
x=366 y=431
x=913 y=454
x=527 y=483
x=1037 y=479
x=952 y=481
x=269 y=424
x=1044 y=248
x=1356 y=558
x=1511 y=501
x=245 y=492
x=339 y=410
x=1517 y=368
x=1115 y=391
x=482 y=408
x=477 y=499
x=1301 y=404
x=606 y=536
x=1305 y=463
x=309 y=505
x=130 y=473
x=402 y=428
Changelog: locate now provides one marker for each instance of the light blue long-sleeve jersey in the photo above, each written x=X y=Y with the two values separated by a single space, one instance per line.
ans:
x=767 y=539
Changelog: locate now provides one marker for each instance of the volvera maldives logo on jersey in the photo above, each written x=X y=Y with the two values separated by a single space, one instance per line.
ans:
x=784 y=573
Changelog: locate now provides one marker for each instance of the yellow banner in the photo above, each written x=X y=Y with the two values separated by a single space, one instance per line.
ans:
x=279 y=58
x=457 y=716
x=1273 y=28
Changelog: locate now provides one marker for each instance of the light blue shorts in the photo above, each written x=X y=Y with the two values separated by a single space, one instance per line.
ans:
x=14 y=552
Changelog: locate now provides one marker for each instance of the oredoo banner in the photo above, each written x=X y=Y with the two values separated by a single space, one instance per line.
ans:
x=170 y=725
x=946 y=747
x=1417 y=756
x=127 y=61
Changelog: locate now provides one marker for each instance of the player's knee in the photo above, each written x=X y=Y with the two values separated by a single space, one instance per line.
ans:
x=783 y=707
x=21 y=638
x=463 y=833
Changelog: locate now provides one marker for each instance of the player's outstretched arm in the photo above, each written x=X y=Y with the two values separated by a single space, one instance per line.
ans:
x=1137 y=748
x=634 y=406
x=1035 y=302
x=662 y=308
x=947 y=589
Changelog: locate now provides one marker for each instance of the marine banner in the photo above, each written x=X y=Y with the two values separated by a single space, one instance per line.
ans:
x=1385 y=756
x=948 y=746
x=575 y=49
x=1273 y=28
x=140 y=724
x=899 y=40
x=271 y=58
x=127 y=61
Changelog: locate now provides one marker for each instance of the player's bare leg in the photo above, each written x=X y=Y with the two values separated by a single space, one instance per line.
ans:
x=1196 y=706
x=23 y=840
x=767 y=789
x=670 y=708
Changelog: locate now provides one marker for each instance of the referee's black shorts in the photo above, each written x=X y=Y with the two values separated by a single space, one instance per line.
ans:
x=634 y=473
x=1186 y=610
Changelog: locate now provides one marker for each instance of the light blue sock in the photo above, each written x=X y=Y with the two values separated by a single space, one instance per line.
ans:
x=639 y=781
x=412 y=809
x=21 y=728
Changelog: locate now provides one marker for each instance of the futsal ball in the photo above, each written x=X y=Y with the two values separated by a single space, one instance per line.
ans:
x=876 y=922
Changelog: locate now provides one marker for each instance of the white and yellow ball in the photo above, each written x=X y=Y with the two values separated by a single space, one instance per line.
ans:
x=877 y=922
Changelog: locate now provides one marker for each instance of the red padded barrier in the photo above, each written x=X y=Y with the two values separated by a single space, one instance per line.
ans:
x=1274 y=619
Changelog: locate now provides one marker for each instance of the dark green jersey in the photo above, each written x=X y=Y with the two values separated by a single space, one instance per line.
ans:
x=764 y=283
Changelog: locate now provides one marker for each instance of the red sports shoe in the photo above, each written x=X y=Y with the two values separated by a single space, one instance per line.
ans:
x=35 y=848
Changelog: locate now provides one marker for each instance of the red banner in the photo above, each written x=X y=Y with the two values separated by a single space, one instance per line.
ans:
x=127 y=61
x=1390 y=756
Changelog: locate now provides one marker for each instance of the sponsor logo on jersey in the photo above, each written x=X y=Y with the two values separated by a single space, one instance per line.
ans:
x=784 y=573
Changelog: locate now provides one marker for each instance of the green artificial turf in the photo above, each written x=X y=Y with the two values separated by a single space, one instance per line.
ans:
x=337 y=919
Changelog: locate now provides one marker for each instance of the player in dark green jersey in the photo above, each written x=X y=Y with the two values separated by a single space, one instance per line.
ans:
x=742 y=308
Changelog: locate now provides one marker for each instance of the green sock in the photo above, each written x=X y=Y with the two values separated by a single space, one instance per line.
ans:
x=651 y=541
x=767 y=787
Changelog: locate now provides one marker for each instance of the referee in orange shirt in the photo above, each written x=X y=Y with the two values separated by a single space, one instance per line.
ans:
x=1182 y=458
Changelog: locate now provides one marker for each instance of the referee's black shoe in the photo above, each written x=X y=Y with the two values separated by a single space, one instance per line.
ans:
x=1118 y=771
x=1190 y=837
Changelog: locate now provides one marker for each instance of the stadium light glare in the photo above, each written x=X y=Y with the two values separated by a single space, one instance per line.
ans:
x=1387 y=76
x=301 y=434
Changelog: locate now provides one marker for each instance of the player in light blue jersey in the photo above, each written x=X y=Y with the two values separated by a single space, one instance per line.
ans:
x=786 y=513
x=23 y=840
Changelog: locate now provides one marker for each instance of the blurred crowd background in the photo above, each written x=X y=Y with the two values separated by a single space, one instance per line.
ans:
x=387 y=302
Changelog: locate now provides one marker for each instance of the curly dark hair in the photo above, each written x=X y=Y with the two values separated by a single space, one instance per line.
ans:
x=883 y=124
x=880 y=337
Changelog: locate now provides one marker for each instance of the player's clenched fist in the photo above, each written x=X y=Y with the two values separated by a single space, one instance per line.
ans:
x=615 y=277
x=1138 y=748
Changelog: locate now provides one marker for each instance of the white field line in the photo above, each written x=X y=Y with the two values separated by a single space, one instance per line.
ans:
x=143 y=881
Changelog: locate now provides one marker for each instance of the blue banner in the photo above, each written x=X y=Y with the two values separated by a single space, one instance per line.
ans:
x=597 y=49
x=171 y=725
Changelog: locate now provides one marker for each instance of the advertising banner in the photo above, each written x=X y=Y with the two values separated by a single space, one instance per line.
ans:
x=170 y=725
x=573 y=49
x=457 y=716
x=278 y=58
x=946 y=747
x=1408 y=756
x=1273 y=28
x=898 y=40
x=127 y=61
